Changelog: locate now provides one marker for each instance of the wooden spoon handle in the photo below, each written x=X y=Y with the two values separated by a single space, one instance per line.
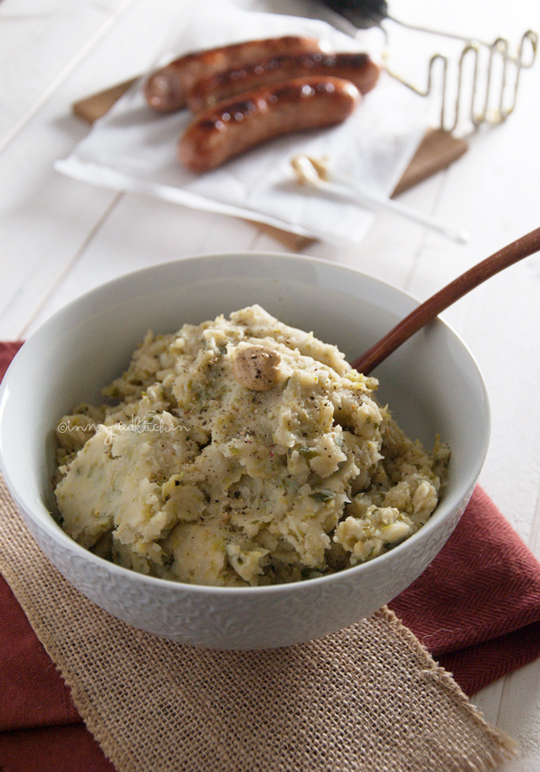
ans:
x=517 y=250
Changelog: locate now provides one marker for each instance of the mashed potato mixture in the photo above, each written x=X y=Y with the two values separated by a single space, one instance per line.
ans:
x=241 y=452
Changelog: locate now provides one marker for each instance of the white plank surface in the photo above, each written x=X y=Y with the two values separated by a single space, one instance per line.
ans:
x=59 y=237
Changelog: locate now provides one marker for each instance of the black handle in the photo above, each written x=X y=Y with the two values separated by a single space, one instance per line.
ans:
x=361 y=13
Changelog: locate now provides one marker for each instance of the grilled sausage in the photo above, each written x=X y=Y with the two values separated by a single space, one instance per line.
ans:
x=166 y=88
x=237 y=125
x=211 y=89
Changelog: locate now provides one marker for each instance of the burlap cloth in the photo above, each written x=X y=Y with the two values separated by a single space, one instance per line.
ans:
x=367 y=698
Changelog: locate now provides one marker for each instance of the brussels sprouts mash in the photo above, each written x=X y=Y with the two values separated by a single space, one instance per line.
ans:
x=241 y=452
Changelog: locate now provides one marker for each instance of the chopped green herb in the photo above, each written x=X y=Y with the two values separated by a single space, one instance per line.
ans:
x=323 y=494
x=307 y=452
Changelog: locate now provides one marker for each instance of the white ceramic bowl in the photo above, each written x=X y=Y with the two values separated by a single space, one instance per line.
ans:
x=432 y=384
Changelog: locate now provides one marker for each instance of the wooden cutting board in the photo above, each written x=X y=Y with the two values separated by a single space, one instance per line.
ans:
x=437 y=151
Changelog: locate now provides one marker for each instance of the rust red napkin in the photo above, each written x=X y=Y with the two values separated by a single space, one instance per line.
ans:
x=476 y=609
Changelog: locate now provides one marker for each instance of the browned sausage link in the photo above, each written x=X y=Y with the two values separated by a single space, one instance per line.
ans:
x=167 y=88
x=209 y=90
x=235 y=126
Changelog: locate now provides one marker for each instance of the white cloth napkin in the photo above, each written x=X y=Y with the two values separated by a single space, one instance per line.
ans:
x=134 y=149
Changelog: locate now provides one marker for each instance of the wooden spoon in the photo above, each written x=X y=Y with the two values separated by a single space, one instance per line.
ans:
x=427 y=311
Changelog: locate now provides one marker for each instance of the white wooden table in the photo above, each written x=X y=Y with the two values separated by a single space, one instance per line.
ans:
x=60 y=237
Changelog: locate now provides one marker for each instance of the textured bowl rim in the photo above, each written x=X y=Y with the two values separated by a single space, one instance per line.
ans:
x=46 y=521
